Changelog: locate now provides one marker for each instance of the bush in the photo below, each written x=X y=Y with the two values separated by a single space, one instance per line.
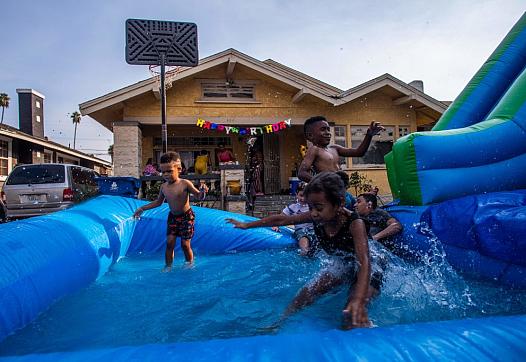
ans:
x=360 y=183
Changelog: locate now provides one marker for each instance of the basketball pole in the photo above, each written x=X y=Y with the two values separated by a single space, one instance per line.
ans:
x=164 y=130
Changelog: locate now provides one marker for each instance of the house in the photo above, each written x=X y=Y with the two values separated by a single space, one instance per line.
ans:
x=231 y=97
x=27 y=144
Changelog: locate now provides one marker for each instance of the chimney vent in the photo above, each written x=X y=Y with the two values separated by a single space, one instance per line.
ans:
x=31 y=112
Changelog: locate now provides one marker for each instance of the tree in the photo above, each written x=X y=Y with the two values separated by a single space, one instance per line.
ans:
x=4 y=103
x=110 y=152
x=75 y=117
x=359 y=182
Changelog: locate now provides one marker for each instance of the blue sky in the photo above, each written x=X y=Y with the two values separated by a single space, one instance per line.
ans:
x=73 y=51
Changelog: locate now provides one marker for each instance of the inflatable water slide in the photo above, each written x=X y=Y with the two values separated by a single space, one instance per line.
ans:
x=463 y=183
x=479 y=144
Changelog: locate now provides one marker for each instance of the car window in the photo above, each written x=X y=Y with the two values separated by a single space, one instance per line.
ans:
x=37 y=174
x=83 y=176
x=92 y=177
x=78 y=177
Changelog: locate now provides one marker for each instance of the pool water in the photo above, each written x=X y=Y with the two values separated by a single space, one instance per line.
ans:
x=235 y=295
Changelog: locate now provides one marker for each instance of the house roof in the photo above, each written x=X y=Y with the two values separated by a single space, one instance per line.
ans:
x=303 y=83
x=12 y=132
x=404 y=88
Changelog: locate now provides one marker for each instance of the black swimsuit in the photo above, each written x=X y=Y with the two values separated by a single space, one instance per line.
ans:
x=342 y=244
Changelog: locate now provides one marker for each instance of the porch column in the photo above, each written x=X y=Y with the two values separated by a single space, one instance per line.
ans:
x=127 y=149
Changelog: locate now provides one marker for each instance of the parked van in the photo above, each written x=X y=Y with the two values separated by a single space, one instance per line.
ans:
x=38 y=189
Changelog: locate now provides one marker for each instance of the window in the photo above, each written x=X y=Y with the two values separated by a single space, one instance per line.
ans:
x=37 y=104
x=48 y=157
x=381 y=145
x=82 y=176
x=37 y=174
x=403 y=131
x=38 y=118
x=340 y=138
x=224 y=90
x=4 y=157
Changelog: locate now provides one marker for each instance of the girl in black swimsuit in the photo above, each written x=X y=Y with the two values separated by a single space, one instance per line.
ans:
x=341 y=233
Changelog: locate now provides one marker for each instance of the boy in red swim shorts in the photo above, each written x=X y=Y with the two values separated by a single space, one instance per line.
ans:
x=181 y=216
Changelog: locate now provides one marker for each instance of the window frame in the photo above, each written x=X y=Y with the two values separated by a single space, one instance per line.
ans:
x=343 y=161
x=48 y=153
x=228 y=90
x=394 y=137
x=9 y=156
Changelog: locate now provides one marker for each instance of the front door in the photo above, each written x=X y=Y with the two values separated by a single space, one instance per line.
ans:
x=271 y=163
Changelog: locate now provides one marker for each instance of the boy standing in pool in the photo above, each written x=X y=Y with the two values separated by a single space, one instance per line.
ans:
x=322 y=156
x=181 y=216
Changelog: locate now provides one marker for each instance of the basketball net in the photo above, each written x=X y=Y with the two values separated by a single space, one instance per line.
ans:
x=170 y=73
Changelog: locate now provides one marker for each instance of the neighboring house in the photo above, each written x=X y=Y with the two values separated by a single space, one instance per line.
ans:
x=232 y=89
x=28 y=144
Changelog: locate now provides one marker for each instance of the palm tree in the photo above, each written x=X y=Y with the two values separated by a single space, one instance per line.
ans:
x=110 y=152
x=4 y=103
x=75 y=117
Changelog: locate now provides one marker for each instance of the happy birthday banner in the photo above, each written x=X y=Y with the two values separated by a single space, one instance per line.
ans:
x=252 y=131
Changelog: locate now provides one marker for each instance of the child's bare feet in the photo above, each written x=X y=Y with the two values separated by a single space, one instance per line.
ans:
x=166 y=269
x=189 y=265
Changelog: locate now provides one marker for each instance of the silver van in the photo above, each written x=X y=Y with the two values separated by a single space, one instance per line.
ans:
x=38 y=189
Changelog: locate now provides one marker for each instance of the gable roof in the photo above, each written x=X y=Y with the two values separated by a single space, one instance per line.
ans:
x=401 y=86
x=302 y=82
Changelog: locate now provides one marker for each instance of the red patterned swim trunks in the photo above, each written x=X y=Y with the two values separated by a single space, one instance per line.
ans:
x=181 y=225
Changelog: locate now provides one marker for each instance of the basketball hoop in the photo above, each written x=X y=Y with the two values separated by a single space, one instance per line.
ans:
x=169 y=76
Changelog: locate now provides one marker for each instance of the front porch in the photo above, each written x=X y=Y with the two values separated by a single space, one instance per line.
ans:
x=221 y=195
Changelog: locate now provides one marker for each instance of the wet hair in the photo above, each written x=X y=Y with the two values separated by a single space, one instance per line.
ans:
x=330 y=184
x=170 y=157
x=368 y=197
x=309 y=122
x=301 y=187
x=345 y=178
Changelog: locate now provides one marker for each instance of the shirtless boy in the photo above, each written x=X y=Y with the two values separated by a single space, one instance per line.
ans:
x=181 y=216
x=322 y=156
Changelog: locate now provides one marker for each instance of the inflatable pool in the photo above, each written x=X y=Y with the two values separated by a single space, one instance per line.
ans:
x=47 y=258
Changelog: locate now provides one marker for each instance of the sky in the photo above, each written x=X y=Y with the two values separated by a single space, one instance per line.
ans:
x=74 y=51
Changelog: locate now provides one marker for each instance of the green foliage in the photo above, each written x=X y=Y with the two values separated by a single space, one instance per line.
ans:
x=152 y=191
x=4 y=103
x=360 y=183
x=110 y=152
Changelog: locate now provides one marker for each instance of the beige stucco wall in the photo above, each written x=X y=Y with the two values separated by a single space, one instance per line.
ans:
x=274 y=102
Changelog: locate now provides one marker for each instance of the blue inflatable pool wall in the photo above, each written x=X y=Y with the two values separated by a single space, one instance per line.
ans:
x=46 y=258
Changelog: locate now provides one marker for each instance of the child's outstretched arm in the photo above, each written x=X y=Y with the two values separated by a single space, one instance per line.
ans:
x=304 y=171
x=374 y=129
x=272 y=220
x=194 y=191
x=357 y=306
x=156 y=203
